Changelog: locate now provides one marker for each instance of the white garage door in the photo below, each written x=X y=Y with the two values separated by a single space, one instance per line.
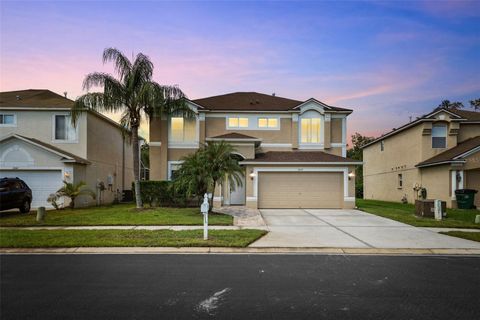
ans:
x=300 y=190
x=42 y=183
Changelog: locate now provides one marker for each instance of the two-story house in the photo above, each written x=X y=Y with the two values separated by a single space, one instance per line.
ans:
x=39 y=144
x=438 y=152
x=293 y=152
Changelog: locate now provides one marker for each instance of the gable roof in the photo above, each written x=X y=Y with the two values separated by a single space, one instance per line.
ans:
x=34 y=98
x=66 y=156
x=234 y=135
x=300 y=157
x=459 y=115
x=453 y=155
x=253 y=101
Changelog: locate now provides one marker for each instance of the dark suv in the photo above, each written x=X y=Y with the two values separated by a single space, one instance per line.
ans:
x=14 y=193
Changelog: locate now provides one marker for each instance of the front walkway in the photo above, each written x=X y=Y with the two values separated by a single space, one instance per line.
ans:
x=348 y=229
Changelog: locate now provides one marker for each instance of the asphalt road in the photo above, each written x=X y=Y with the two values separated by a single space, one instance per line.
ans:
x=239 y=287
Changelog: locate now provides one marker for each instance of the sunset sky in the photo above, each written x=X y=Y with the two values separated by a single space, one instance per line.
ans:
x=385 y=60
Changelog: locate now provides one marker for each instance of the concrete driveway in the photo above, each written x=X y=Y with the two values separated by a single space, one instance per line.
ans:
x=348 y=229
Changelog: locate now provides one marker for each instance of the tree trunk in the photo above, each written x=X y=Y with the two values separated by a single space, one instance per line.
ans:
x=136 y=166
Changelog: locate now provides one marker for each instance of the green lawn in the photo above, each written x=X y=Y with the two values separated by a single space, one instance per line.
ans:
x=475 y=236
x=115 y=215
x=456 y=218
x=11 y=238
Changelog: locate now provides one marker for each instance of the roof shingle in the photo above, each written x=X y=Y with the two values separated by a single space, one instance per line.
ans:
x=299 y=156
x=450 y=154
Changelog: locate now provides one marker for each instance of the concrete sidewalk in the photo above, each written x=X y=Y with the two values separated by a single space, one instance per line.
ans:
x=175 y=228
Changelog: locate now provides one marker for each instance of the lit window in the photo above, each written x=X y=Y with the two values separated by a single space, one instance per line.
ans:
x=7 y=119
x=400 y=181
x=439 y=136
x=64 y=130
x=267 y=122
x=310 y=130
x=182 y=129
x=237 y=122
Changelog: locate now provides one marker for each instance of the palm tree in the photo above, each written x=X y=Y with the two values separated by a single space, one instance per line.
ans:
x=450 y=105
x=134 y=94
x=210 y=165
x=72 y=191
x=475 y=104
x=193 y=177
x=218 y=156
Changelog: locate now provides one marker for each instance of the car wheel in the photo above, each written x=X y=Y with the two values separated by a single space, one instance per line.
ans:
x=25 y=208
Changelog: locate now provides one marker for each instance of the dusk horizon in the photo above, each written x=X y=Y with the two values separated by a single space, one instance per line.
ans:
x=392 y=60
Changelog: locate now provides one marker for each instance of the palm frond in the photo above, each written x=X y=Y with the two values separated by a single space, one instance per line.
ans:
x=123 y=66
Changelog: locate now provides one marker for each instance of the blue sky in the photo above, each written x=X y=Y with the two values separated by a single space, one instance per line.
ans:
x=386 y=60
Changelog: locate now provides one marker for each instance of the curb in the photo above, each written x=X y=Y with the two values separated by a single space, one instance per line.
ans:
x=249 y=250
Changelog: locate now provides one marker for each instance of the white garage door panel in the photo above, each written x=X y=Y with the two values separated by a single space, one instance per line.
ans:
x=43 y=183
x=300 y=190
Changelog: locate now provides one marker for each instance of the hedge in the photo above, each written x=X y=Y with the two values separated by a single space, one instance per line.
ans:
x=160 y=193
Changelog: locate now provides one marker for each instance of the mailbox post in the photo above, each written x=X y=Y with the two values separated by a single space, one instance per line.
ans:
x=204 y=209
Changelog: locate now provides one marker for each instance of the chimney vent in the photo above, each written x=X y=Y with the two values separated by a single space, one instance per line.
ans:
x=273 y=94
x=65 y=93
x=18 y=98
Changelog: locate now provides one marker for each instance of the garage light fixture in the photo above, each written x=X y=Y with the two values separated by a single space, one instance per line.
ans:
x=351 y=175
x=252 y=174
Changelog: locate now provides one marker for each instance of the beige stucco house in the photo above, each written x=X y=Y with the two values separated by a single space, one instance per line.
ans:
x=39 y=145
x=293 y=152
x=438 y=152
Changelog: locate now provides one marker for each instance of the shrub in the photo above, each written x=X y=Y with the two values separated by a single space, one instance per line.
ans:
x=161 y=193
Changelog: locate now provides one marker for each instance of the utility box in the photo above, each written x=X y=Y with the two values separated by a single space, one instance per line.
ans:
x=426 y=208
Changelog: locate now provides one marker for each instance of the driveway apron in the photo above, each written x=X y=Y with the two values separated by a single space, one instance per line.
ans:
x=341 y=228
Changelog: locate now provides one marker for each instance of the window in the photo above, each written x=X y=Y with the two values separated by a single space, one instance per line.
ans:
x=235 y=122
x=173 y=167
x=310 y=130
x=64 y=130
x=267 y=122
x=400 y=181
x=382 y=145
x=182 y=129
x=7 y=119
x=439 y=136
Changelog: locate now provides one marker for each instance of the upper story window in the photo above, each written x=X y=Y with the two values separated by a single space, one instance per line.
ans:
x=270 y=123
x=310 y=130
x=8 y=120
x=182 y=129
x=63 y=128
x=439 y=136
x=237 y=122
x=382 y=145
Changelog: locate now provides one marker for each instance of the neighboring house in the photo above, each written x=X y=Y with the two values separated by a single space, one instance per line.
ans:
x=438 y=152
x=39 y=145
x=293 y=152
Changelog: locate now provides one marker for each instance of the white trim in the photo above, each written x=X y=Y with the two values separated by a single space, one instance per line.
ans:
x=169 y=167
x=9 y=125
x=294 y=117
x=251 y=198
x=276 y=145
x=428 y=116
x=183 y=145
x=315 y=101
x=310 y=146
x=155 y=144
x=468 y=153
x=226 y=113
x=442 y=162
x=299 y=169
x=349 y=199
x=303 y=163
x=337 y=144
x=245 y=140
x=453 y=183
x=36 y=144
x=32 y=168
x=328 y=117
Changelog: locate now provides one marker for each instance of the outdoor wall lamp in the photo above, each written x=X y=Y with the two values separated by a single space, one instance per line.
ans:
x=252 y=175
x=351 y=175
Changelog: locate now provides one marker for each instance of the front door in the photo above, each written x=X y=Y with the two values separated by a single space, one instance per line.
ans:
x=237 y=196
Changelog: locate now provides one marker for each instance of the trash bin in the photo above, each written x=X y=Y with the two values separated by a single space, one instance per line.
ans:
x=465 y=198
